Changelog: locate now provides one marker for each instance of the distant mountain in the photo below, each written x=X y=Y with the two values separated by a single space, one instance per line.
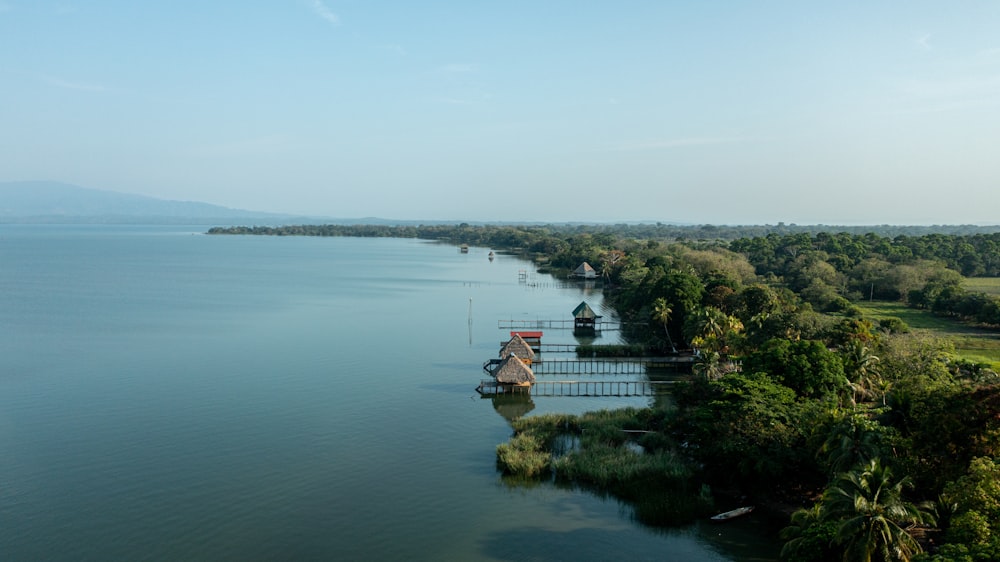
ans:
x=53 y=202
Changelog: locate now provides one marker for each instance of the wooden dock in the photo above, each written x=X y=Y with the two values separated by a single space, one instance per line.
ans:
x=552 y=347
x=600 y=326
x=559 y=347
x=490 y=387
x=601 y=366
x=605 y=366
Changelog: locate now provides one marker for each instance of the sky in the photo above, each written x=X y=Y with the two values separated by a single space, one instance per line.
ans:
x=851 y=112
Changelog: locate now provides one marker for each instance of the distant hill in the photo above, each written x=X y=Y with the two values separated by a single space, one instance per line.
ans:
x=53 y=202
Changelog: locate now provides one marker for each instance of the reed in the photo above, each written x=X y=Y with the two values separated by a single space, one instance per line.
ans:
x=523 y=456
x=614 y=466
x=547 y=428
x=640 y=466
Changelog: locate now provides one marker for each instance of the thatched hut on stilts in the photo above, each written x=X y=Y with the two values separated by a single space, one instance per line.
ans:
x=517 y=346
x=513 y=375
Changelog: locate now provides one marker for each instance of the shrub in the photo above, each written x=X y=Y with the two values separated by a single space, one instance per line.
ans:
x=969 y=528
x=894 y=325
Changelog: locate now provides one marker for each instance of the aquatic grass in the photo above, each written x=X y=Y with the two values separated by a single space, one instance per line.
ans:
x=623 y=453
x=523 y=456
x=613 y=466
x=660 y=485
x=620 y=419
x=656 y=441
x=547 y=428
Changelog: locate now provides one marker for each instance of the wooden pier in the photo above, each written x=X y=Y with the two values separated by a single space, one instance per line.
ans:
x=601 y=366
x=601 y=326
x=558 y=347
x=490 y=387
x=552 y=347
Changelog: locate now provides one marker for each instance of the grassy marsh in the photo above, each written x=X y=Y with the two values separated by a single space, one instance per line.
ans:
x=621 y=452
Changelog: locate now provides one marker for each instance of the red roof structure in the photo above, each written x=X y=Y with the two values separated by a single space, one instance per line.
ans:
x=534 y=339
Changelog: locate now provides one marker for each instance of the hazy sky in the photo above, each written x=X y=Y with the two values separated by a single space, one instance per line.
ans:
x=712 y=112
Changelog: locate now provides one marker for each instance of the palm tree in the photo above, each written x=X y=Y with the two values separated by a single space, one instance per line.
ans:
x=709 y=322
x=854 y=441
x=871 y=512
x=709 y=365
x=861 y=366
x=661 y=313
x=801 y=535
x=609 y=262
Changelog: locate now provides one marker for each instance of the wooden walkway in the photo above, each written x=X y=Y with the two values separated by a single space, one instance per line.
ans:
x=605 y=366
x=601 y=366
x=600 y=326
x=490 y=387
x=552 y=347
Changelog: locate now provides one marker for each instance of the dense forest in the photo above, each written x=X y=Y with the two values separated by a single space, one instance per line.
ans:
x=884 y=438
x=656 y=231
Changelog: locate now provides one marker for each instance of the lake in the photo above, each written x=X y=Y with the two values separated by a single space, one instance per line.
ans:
x=167 y=395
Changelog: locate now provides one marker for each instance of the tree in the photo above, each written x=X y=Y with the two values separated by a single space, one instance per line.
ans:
x=808 y=538
x=748 y=428
x=683 y=289
x=873 y=517
x=977 y=499
x=610 y=260
x=711 y=329
x=661 y=313
x=854 y=440
x=861 y=368
x=710 y=366
x=805 y=366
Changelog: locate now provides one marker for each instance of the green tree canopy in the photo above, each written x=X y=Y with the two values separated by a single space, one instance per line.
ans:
x=806 y=366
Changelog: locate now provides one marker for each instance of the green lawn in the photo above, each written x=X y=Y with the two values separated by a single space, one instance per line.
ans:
x=970 y=341
x=988 y=285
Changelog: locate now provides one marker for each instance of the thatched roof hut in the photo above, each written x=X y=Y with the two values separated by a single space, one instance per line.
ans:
x=513 y=371
x=517 y=346
x=586 y=271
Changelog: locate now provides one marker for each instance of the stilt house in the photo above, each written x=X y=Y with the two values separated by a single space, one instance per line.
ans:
x=517 y=346
x=534 y=339
x=584 y=318
x=585 y=271
x=512 y=372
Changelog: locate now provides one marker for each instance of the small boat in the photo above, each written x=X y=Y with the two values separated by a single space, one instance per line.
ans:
x=491 y=255
x=726 y=516
x=464 y=248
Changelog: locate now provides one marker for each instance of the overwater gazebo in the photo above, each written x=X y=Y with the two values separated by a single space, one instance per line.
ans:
x=517 y=346
x=513 y=373
x=584 y=318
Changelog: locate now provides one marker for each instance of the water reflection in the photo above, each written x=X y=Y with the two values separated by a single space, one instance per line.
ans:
x=513 y=406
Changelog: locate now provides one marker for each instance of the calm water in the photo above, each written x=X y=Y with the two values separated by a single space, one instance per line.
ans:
x=167 y=395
